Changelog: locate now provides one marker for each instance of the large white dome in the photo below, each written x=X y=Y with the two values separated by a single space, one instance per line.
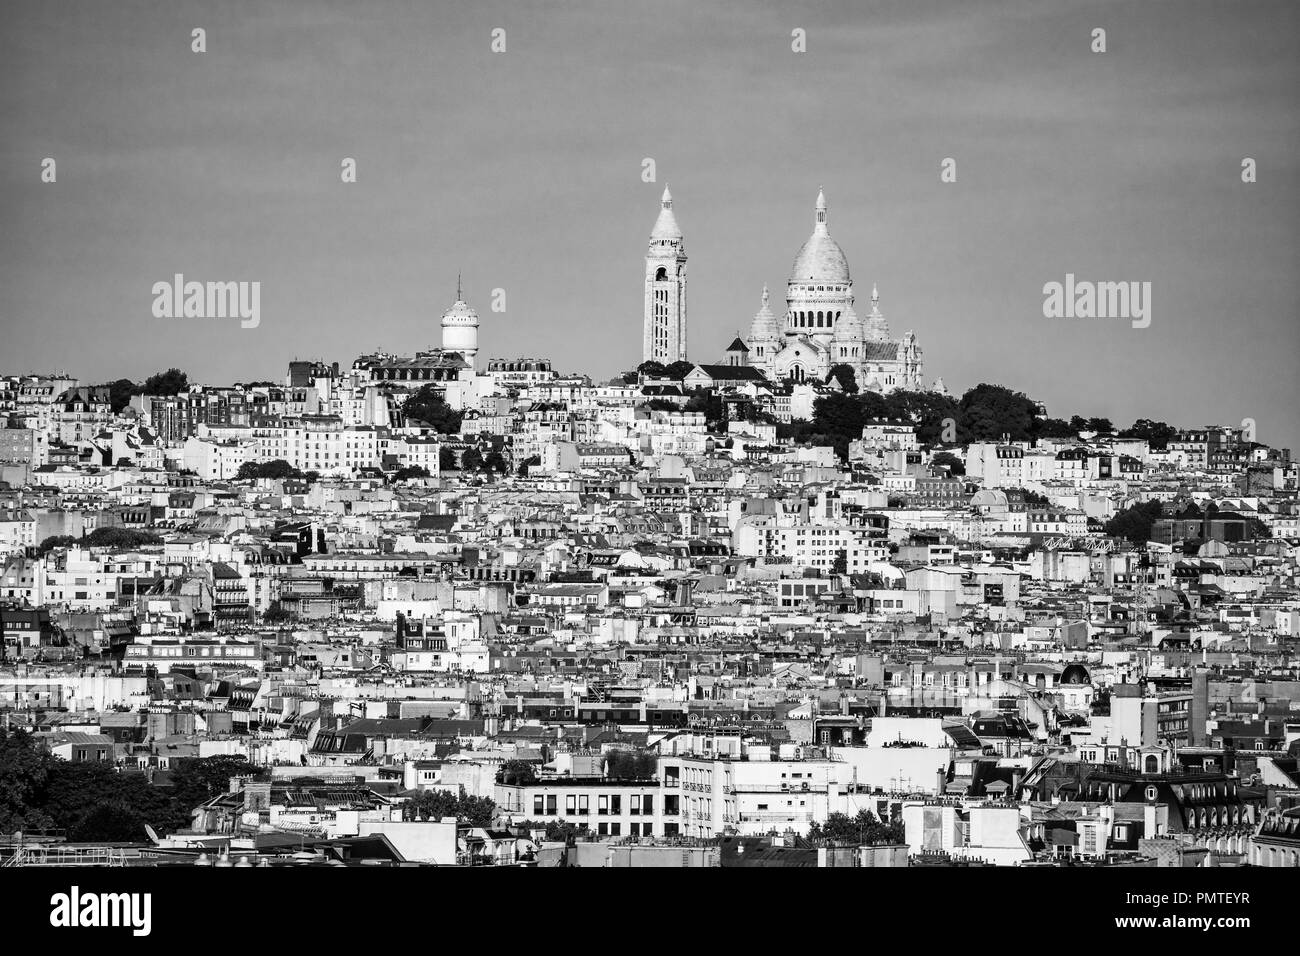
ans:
x=820 y=259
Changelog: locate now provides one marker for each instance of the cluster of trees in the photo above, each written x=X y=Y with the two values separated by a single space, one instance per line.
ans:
x=559 y=831
x=519 y=773
x=277 y=468
x=427 y=405
x=493 y=462
x=838 y=418
x=1157 y=434
x=413 y=471
x=124 y=538
x=1135 y=523
x=984 y=413
x=276 y=613
x=93 y=801
x=630 y=765
x=171 y=382
x=436 y=804
x=652 y=369
x=856 y=831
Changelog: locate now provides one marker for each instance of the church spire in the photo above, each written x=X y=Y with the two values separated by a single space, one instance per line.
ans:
x=459 y=297
x=666 y=228
x=821 y=211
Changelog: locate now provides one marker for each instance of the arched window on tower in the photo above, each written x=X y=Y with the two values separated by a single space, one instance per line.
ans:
x=661 y=275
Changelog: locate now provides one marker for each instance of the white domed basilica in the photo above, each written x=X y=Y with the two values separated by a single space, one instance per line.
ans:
x=822 y=329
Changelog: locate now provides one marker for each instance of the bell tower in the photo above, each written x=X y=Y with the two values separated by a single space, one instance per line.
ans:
x=664 y=336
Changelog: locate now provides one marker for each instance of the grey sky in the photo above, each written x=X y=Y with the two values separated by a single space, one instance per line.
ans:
x=523 y=170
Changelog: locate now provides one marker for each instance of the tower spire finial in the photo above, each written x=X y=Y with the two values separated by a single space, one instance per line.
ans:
x=459 y=298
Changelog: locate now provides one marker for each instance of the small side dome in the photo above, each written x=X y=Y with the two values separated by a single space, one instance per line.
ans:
x=765 y=327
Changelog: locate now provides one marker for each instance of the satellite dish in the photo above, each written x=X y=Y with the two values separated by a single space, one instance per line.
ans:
x=152 y=834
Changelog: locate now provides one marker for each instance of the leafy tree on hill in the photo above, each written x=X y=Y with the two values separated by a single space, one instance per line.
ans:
x=471 y=459
x=171 y=382
x=1157 y=434
x=837 y=420
x=446 y=459
x=946 y=459
x=54 y=541
x=1054 y=428
x=121 y=538
x=496 y=463
x=930 y=412
x=845 y=376
x=409 y=472
x=1135 y=523
x=707 y=400
x=651 y=369
x=275 y=613
x=988 y=412
x=427 y=405
x=121 y=392
x=276 y=469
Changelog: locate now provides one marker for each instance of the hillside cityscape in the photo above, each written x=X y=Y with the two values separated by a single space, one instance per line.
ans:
x=794 y=605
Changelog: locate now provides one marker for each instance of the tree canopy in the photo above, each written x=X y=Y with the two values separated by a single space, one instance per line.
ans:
x=436 y=804
x=171 y=382
x=1157 y=434
x=856 y=831
x=845 y=375
x=427 y=405
x=1135 y=523
x=952 y=463
x=277 y=468
x=96 y=802
x=630 y=765
x=409 y=472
